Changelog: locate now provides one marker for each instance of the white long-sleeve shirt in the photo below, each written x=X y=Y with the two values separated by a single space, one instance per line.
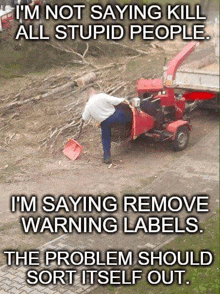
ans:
x=100 y=107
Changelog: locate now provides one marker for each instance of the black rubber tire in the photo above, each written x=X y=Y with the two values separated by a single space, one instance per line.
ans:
x=181 y=138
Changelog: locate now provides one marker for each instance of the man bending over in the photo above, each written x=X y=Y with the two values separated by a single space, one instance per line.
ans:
x=103 y=108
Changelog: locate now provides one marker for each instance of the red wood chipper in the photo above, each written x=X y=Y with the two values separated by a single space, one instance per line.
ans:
x=160 y=113
x=164 y=115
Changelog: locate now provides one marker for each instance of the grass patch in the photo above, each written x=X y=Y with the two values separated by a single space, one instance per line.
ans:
x=203 y=279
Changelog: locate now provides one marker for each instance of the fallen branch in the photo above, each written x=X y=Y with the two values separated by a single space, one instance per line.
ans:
x=118 y=87
x=36 y=98
x=71 y=51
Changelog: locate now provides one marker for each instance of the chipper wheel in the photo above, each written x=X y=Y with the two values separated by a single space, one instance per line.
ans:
x=181 y=138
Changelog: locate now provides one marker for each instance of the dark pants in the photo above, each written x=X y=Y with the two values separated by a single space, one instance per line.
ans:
x=118 y=117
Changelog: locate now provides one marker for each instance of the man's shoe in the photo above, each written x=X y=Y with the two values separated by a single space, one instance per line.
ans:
x=107 y=160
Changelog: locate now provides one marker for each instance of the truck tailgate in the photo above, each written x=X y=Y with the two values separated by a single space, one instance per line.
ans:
x=206 y=79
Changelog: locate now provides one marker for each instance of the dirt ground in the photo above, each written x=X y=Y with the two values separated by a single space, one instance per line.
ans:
x=39 y=112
